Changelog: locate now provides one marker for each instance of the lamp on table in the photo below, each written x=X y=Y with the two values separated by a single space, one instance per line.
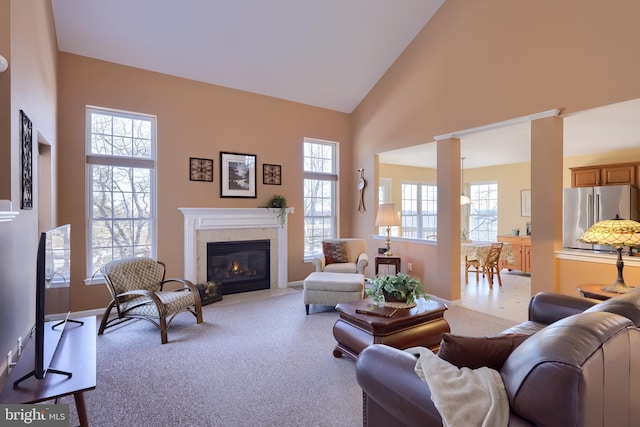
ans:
x=618 y=233
x=388 y=217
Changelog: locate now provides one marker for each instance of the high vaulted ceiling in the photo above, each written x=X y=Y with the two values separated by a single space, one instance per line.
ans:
x=326 y=53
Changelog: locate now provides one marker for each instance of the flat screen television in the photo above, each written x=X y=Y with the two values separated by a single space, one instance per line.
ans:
x=53 y=275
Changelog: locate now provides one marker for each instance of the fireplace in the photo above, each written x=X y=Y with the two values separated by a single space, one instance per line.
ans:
x=240 y=266
x=205 y=225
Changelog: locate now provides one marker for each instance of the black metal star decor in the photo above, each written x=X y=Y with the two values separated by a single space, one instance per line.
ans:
x=200 y=169
x=27 y=161
x=271 y=174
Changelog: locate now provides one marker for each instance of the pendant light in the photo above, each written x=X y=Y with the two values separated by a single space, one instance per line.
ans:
x=464 y=199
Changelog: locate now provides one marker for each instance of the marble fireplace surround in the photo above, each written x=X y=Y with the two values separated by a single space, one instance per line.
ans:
x=203 y=225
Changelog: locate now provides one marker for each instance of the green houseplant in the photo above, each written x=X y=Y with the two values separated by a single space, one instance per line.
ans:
x=396 y=288
x=278 y=202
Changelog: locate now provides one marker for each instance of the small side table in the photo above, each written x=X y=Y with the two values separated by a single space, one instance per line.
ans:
x=594 y=292
x=388 y=260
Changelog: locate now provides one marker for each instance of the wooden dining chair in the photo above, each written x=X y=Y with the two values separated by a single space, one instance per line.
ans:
x=471 y=264
x=491 y=265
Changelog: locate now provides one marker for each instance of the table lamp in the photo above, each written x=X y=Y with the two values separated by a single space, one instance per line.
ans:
x=387 y=217
x=618 y=233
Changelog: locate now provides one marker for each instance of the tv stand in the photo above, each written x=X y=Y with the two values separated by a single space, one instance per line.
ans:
x=75 y=357
x=62 y=322
x=33 y=373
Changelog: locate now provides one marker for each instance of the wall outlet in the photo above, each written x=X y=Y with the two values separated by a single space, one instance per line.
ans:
x=409 y=266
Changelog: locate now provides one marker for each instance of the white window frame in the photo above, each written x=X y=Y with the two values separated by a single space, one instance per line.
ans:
x=124 y=162
x=418 y=215
x=384 y=196
x=480 y=201
x=313 y=244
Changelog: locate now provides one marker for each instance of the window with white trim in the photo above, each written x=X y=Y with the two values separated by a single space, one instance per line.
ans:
x=384 y=196
x=320 y=194
x=121 y=187
x=419 y=211
x=483 y=211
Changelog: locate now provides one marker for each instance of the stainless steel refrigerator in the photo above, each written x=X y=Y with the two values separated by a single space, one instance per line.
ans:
x=583 y=207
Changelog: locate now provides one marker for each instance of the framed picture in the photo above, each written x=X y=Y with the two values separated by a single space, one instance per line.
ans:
x=271 y=174
x=525 y=202
x=200 y=169
x=237 y=175
x=26 y=144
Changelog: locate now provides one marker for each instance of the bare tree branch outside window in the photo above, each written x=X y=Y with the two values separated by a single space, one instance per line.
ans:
x=319 y=194
x=121 y=191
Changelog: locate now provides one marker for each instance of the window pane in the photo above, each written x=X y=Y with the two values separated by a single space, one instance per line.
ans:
x=122 y=217
x=483 y=215
x=319 y=196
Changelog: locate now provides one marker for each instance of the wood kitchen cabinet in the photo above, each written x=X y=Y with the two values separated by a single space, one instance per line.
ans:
x=616 y=174
x=521 y=248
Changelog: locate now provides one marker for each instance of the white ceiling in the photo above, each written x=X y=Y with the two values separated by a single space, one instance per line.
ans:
x=608 y=128
x=326 y=53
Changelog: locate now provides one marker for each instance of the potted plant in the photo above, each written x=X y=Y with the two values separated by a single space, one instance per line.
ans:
x=396 y=288
x=278 y=202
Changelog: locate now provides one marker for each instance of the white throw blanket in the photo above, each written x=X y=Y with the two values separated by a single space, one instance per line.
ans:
x=464 y=397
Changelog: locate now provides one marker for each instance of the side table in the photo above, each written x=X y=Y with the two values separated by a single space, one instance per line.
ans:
x=388 y=260
x=594 y=292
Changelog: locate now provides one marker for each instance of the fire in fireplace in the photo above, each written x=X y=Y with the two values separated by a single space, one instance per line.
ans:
x=240 y=266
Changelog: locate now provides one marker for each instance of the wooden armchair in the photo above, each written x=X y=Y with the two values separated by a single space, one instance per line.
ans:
x=490 y=266
x=136 y=286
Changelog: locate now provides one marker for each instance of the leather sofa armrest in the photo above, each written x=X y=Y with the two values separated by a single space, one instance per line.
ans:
x=547 y=307
x=362 y=263
x=393 y=391
x=319 y=262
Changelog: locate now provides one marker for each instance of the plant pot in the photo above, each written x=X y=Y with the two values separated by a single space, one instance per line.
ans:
x=392 y=298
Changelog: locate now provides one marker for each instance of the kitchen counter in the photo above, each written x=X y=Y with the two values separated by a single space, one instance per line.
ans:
x=597 y=257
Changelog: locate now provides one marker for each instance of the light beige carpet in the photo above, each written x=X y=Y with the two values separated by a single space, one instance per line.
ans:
x=252 y=363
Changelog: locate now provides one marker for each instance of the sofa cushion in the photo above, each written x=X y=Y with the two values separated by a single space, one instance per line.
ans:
x=334 y=252
x=475 y=352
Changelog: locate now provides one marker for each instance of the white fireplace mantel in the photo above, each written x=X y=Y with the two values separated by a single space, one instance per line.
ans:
x=197 y=220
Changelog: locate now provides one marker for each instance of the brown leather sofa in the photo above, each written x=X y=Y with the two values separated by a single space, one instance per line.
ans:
x=581 y=367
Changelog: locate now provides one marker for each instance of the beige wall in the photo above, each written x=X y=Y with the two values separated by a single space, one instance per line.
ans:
x=477 y=63
x=194 y=120
x=28 y=42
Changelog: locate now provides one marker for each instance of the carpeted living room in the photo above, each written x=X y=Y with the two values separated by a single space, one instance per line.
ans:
x=257 y=359
x=135 y=121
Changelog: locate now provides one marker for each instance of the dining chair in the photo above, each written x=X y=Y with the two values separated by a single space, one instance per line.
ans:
x=489 y=266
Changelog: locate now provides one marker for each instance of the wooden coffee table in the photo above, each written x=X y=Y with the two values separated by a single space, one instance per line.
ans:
x=422 y=325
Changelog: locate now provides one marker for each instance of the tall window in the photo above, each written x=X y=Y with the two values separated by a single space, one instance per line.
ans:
x=483 y=214
x=320 y=198
x=121 y=152
x=419 y=211
x=384 y=196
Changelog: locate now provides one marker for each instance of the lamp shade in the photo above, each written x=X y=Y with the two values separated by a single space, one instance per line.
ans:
x=387 y=215
x=616 y=232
